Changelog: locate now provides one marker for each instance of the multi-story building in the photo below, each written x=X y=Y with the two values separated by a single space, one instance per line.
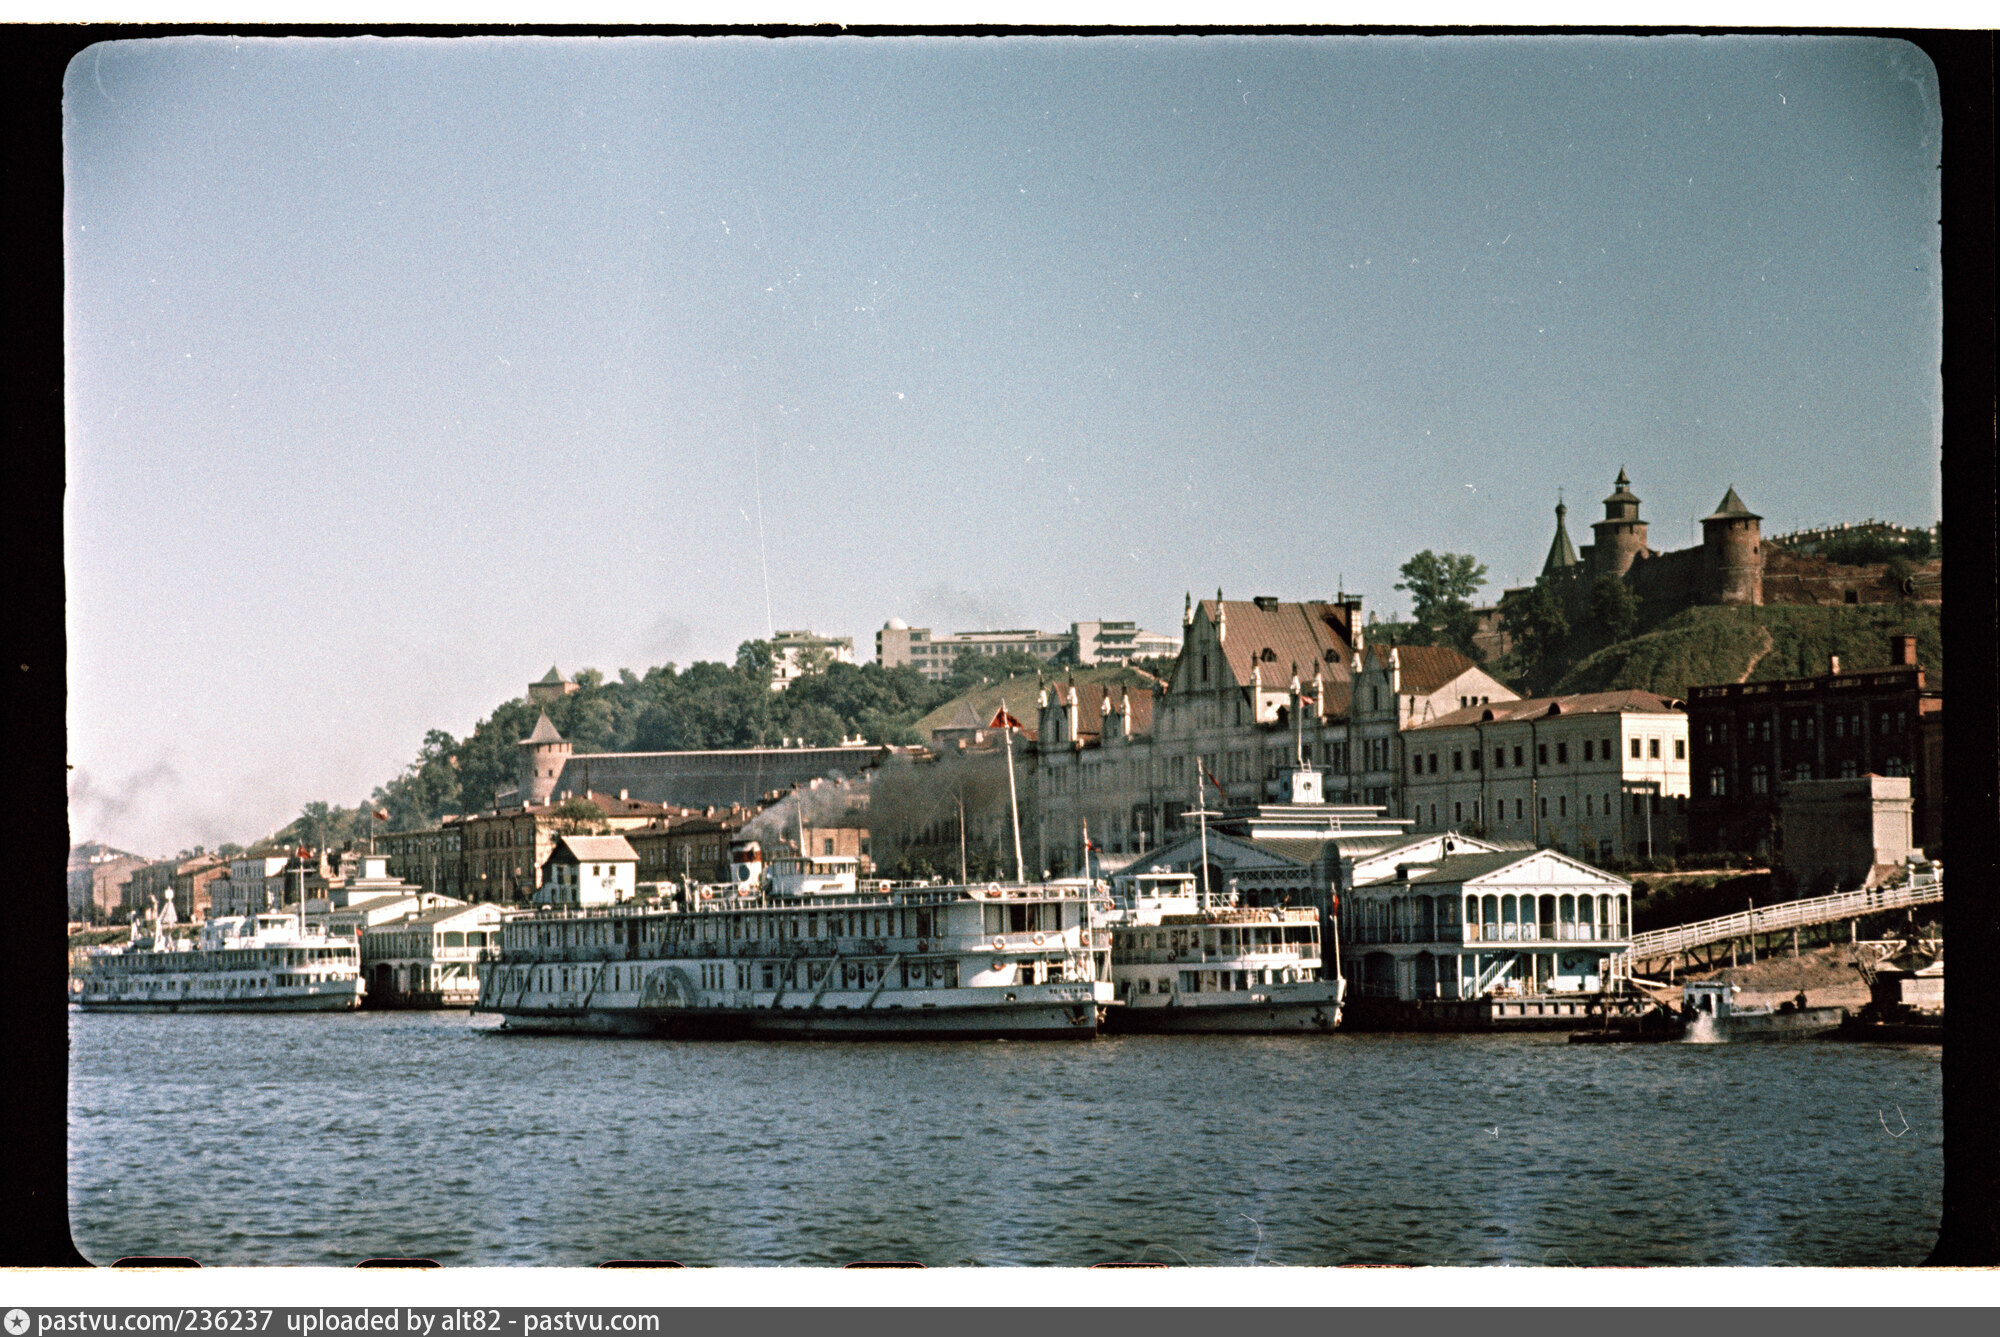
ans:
x=256 y=882
x=431 y=858
x=899 y=643
x=1119 y=643
x=193 y=879
x=1099 y=642
x=1602 y=775
x=1750 y=737
x=97 y=875
x=148 y=887
x=797 y=653
x=504 y=851
x=689 y=844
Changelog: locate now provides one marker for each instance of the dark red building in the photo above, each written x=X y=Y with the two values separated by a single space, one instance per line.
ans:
x=1748 y=738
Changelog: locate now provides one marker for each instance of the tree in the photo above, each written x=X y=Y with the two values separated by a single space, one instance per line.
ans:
x=975 y=668
x=578 y=817
x=1614 y=608
x=1441 y=586
x=1537 y=623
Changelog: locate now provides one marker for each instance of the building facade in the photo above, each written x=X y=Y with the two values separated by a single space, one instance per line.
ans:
x=1260 y=687
x=797 y=653
x=589 y=870
x=1099 y=642
x=687 y=846
x=429 y=958
x=1602 y=775
x=1750 y=738
x=1843 y=834
x=1445 y=917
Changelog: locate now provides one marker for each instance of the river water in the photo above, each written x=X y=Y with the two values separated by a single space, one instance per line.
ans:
x=241 y=1140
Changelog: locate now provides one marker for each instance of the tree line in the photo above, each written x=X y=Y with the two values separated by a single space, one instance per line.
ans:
x=666 y=709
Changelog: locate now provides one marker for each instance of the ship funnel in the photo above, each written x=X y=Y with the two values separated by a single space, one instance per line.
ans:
x=746 y=864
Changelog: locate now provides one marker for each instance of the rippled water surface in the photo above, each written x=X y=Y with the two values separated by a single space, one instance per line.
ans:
x=329 y=1139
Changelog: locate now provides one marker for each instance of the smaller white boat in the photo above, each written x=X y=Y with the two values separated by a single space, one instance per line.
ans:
x=1178 y=967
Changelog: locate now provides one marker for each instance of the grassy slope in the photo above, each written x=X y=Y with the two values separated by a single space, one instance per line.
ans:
x=1712 y=645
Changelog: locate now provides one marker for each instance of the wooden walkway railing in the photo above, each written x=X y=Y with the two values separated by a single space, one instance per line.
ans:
x=1922 y=888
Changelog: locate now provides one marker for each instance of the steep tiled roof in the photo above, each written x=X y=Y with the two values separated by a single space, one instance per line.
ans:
x=553 y=678
x=1311 y=635
x=1090 y=697
x=1424 y=668
x=1544 y=707
x=545 y=732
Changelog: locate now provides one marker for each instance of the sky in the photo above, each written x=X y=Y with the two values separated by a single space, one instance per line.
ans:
x=398 y=370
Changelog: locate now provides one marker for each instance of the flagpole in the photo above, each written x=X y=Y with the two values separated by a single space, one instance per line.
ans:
x=1013 y=798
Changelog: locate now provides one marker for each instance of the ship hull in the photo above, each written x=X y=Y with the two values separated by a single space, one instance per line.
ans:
x=1739 y=1027
x=1251 y=1018
x=1065 y=1021
x=320 y=1003
x=1304 y=1016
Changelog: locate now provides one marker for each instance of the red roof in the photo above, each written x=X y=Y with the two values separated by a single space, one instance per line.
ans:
x=1314 y=636
x=1558 y=707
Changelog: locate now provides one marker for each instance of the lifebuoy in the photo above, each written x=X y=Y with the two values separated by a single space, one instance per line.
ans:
x=999 y=944
x=1038 y=940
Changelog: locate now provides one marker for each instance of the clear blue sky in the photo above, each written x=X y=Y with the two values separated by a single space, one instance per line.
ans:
x=400 y=369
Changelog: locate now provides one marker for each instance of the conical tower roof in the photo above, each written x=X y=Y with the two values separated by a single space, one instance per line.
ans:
x=553 y=678
x=1562 y=553
x=545 y=732
x=1731 y=507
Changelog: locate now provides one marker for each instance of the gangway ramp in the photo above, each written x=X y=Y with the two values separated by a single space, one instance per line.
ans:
x=1925 y=886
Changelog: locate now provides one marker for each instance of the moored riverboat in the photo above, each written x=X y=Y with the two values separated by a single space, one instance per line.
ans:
x=809 y=951
x=254 y=963
x=1178 y=967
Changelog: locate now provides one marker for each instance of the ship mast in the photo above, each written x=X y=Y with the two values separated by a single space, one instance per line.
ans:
x=1203 y=814
x=1013 y=798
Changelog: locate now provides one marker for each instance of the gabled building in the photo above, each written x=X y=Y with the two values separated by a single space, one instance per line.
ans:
x=589 y=870
x=1447 y=917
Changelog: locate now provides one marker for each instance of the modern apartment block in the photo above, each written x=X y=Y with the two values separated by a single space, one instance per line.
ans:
x=899 y=643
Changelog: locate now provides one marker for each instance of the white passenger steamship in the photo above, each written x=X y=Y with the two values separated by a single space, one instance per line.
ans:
x=1179 y=967
x=256 y=963
x=804 y=949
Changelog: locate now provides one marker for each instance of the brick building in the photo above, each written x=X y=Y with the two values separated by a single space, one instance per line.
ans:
x=1749 y=738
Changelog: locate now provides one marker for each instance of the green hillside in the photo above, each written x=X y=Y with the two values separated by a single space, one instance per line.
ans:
x=1712 y=645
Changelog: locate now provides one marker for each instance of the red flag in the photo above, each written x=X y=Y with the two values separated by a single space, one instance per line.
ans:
x=1209 y=776
x=1333 y=904
x=382 y=814
x=1002 y=720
